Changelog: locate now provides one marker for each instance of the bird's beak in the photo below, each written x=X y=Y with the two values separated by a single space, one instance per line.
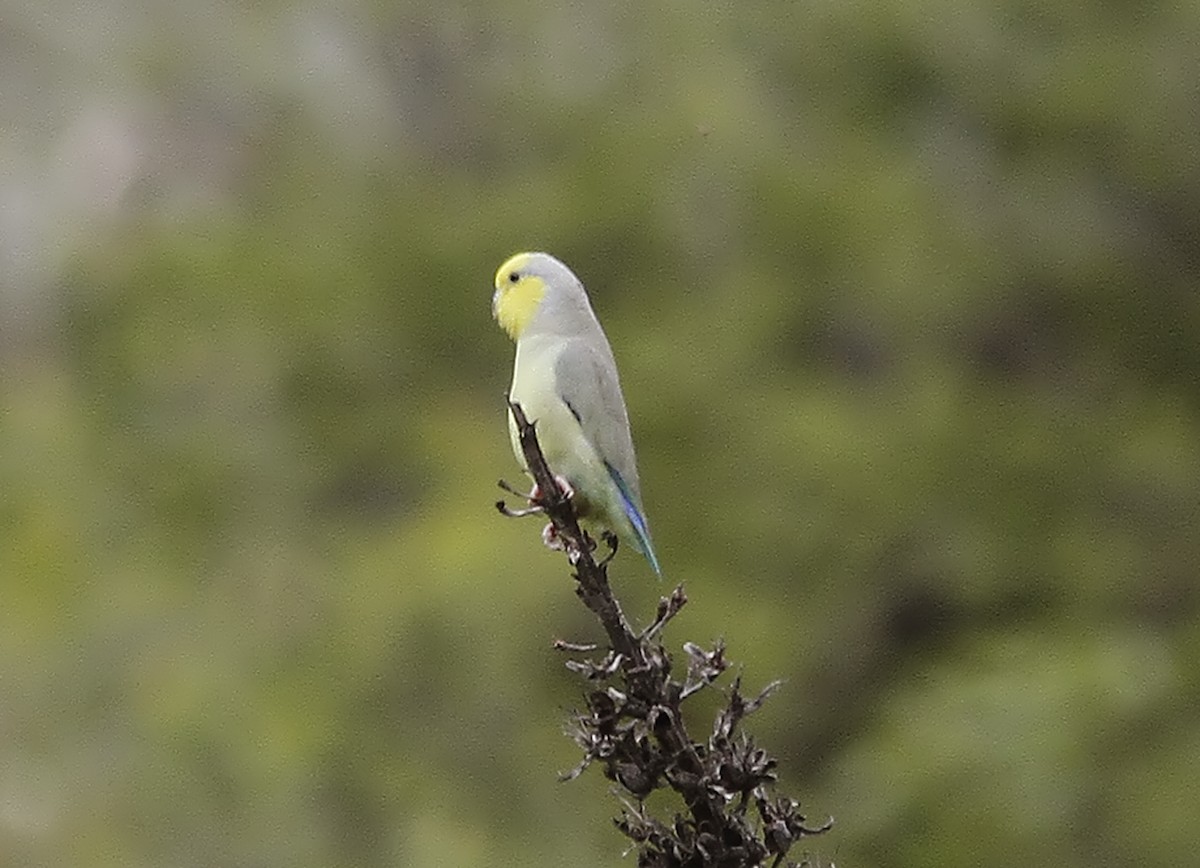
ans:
x=495 y=301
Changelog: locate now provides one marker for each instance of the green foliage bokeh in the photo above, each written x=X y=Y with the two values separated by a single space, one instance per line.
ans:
x=904 y=297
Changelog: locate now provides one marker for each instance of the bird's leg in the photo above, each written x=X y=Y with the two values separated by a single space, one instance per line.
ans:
x=535 y=496
x=610 y=539
x=550 y=534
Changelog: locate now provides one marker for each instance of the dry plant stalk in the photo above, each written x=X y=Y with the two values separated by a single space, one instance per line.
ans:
x=634 y=725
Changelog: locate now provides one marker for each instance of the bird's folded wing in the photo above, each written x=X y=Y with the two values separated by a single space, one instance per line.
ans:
x=586 y=379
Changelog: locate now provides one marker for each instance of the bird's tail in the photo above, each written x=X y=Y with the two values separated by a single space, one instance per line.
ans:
x=633 y=512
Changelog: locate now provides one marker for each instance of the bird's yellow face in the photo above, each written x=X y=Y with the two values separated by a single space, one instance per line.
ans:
x=517 y=296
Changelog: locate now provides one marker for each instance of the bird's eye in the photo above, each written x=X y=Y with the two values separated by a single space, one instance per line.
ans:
x=513 y=277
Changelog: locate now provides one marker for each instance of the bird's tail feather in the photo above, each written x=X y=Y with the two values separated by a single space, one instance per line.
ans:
x=637 y=521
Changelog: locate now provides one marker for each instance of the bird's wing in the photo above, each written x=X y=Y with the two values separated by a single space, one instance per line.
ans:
x=586 y=378
x=587 y=383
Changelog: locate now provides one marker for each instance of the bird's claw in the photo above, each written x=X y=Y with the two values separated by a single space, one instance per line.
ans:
x=568 y=492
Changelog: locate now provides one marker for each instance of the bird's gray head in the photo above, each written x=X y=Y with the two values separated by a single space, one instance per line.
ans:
x=537 y=293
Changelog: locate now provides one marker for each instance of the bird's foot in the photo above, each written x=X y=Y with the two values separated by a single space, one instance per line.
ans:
x=568 y=492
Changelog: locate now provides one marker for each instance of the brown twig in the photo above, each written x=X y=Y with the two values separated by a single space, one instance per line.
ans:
x=635 y=726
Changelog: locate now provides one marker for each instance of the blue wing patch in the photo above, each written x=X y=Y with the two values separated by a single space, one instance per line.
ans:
x=636 y=520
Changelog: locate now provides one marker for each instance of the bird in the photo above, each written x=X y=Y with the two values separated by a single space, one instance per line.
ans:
x=565 y=380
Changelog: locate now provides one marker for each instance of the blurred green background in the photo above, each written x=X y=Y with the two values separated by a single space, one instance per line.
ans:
x=904 y=296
